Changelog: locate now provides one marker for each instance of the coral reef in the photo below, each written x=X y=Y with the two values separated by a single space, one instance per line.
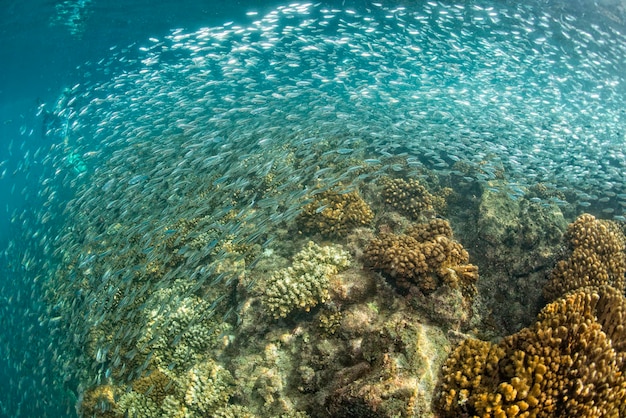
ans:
x=180 y=330
x=201 y=391
x=597 y=257
x=334 y=214
x=208 y=387
x=425 y=256
x=411 y=198
x=305 y=283
x=571 y=362
x=156 y=386
x=98 y=401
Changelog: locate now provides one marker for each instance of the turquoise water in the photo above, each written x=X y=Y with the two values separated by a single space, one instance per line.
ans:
x=118 y=126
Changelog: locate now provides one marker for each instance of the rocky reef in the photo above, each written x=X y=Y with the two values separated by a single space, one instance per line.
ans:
x=375 y=309
x=571 y=360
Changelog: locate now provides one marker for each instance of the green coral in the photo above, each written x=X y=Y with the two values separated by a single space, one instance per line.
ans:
x=306 y=283
x=209 y=387
x=133 y=404
x=180 y=330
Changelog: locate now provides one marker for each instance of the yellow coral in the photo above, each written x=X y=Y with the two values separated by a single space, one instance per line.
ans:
x=571 y=362
x=156 y=385
x=335 y=214
x=426 y=256
x=597 y=258
x=99 y=401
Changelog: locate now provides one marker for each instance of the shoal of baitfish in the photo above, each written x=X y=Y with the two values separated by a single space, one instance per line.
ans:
x=239 y=125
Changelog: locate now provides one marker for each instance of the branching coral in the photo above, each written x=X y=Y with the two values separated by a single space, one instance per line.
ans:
x=335 y=214
x=156 y=386
x=98 y=401
x=571 y=362
x=597 y=258
x=306 y=282
x=426 y=257
x=411 y=198
x=199 y=392
x=180 y=330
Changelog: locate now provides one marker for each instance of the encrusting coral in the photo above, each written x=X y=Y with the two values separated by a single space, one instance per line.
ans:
x=597 y=257
x=335 y=214
x=306 y=282
x=570 y=363
x=425 y=256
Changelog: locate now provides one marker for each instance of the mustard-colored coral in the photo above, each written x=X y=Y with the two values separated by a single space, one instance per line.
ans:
x=156 y=386
x=306 y=282
x=570 y=363
x=408 y=197
x=597 y=258
x=425 y=256
x=98 y=401
x=335 y=214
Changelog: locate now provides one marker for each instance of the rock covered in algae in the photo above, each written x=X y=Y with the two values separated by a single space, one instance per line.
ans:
x=570 y=363
x=517 y=242
x=305 y=283
x=366 y=352
x=596 y=257
x=397 y=377
x=334 y=214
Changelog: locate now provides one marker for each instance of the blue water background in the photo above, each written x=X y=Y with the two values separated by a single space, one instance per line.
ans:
x=44 y=47
x=40 y=55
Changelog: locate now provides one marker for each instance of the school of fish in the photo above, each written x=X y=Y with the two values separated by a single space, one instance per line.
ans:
x=234 y=128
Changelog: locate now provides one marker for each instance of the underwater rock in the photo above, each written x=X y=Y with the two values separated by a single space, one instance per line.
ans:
x=399 y=375
x=516 y=243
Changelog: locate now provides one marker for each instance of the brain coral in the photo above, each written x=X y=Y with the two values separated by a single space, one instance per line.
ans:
x=570 y=363
x=306 y=282
x=335 y=214
x=425 y=256
x=597 y=257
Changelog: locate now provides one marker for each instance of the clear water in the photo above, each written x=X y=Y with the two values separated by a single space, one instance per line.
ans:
x=536 y=91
